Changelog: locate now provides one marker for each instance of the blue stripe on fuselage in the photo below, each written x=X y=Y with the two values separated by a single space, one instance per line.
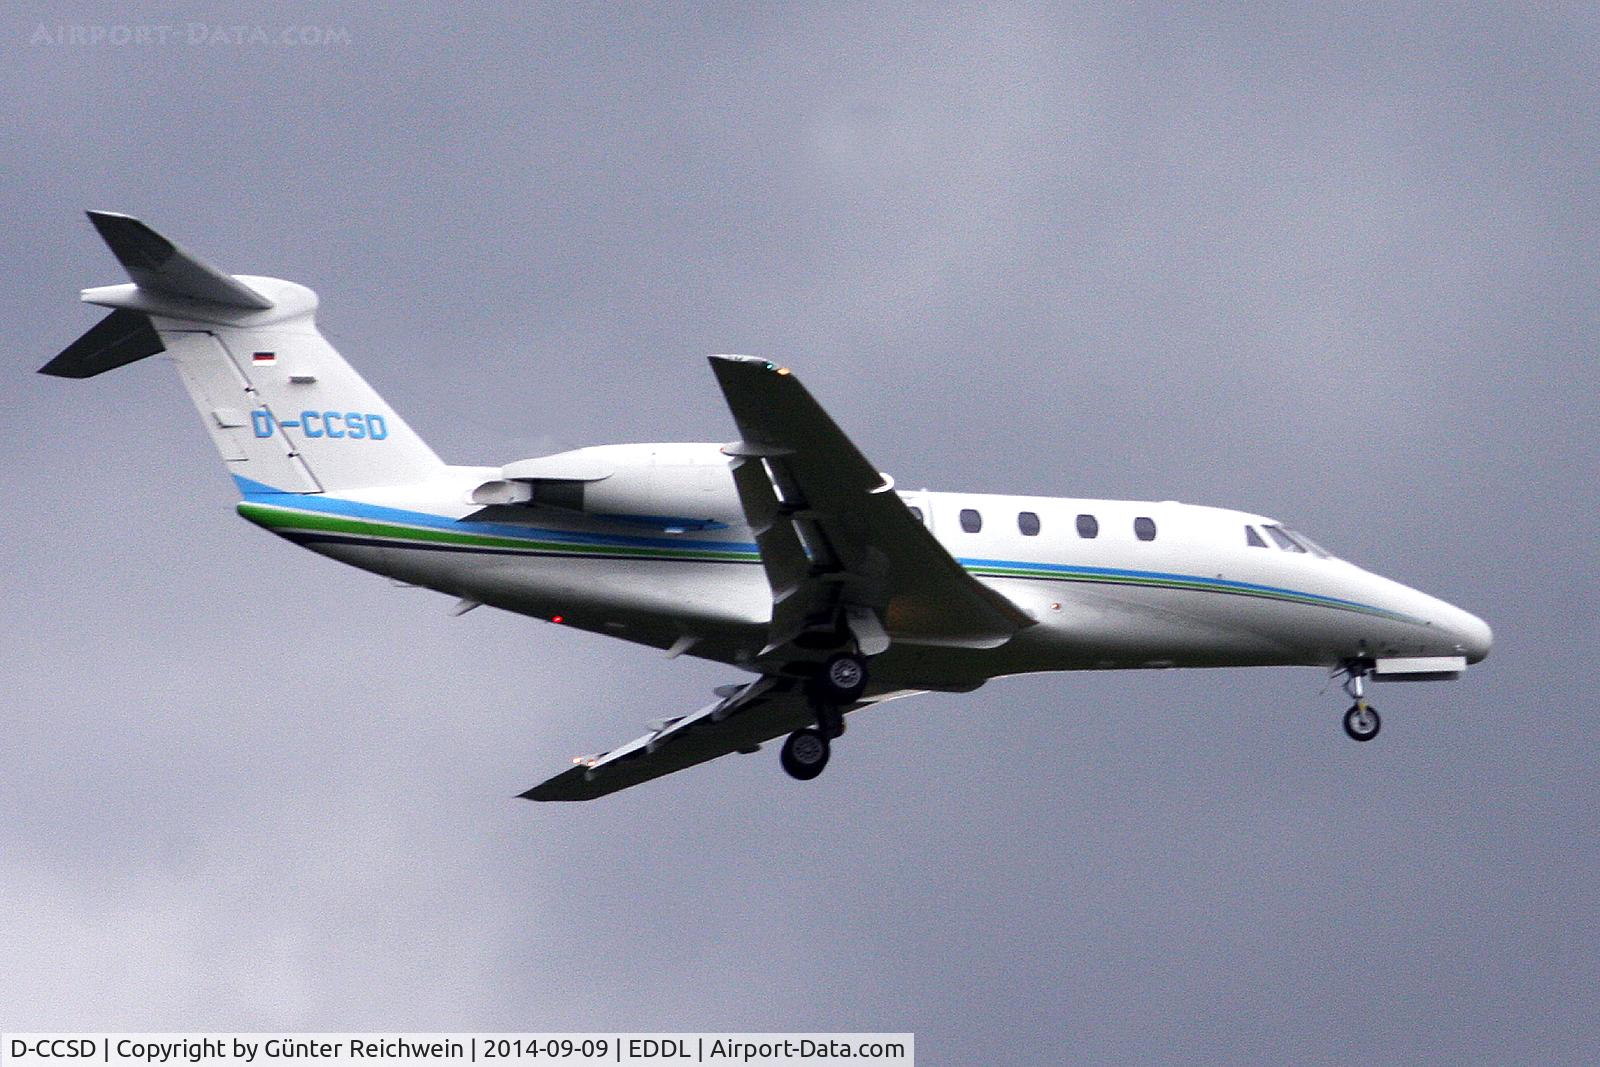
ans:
x=260 y=493
x=353 y=509
x=1072 y=570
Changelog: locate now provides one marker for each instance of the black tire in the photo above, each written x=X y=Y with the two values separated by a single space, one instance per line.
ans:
x=1362 y=724
x=843 y=677
x=804 y=754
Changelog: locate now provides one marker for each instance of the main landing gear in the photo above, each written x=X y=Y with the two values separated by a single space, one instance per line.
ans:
x=841 y=681
x=842 y=678
x=804 y=754
x=1361 y=722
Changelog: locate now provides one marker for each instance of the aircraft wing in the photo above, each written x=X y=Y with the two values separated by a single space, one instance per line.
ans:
x=835 y=541
x=739 y=721
x=833 y=534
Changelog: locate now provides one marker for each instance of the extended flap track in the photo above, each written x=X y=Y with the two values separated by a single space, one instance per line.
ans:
x=793 y=508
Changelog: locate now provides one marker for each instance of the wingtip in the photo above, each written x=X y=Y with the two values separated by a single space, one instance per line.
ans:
x=571 y=784
x=110 y=224
x=728 y=363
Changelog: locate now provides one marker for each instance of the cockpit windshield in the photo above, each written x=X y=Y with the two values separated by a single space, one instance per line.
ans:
x=1281 y=538
x=1295 y=541
x=1311 y=546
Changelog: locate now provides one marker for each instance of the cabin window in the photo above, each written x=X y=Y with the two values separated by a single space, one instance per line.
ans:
x=1028 y=523
x=1252 y=538
x=1144 y=528
x=1285 y=542
x=971 y=521
x=1088 y=526
x=916 y=512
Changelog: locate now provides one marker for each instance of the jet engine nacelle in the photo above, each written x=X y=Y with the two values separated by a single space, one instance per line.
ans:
x=681 y=486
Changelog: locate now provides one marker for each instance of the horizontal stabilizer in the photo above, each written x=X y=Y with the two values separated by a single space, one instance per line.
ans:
x=157 y=265
x=116 y=340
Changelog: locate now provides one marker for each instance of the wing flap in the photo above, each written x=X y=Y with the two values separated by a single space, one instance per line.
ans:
x=783 y=554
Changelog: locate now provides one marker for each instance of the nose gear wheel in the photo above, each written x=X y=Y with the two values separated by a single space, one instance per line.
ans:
x=1361 y=721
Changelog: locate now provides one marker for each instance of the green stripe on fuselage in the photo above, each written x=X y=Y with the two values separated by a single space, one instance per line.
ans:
x=283 y=519
x=286 y=519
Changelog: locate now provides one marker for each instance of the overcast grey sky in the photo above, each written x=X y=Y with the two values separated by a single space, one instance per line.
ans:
x=1339 y=269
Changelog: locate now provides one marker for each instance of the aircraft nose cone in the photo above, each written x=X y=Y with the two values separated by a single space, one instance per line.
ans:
x=1475 y=636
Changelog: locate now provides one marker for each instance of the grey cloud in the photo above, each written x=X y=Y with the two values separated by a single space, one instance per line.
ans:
x=1334 y=268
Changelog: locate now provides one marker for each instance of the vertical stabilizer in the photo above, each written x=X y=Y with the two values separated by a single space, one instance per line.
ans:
x=284 y=409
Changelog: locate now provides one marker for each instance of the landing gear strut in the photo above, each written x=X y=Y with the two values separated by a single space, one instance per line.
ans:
x=1361 y=722
x=840 y=682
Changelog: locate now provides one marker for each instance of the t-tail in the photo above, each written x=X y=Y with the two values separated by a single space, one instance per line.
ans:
x=288 y=414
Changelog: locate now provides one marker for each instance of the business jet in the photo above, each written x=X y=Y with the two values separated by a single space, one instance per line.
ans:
x=784 y=553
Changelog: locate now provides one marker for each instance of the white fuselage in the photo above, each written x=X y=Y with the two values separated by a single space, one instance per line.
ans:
x=1193 y=591
x=785 y=552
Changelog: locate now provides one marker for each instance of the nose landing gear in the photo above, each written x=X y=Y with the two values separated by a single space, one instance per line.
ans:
x=1361 y=721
